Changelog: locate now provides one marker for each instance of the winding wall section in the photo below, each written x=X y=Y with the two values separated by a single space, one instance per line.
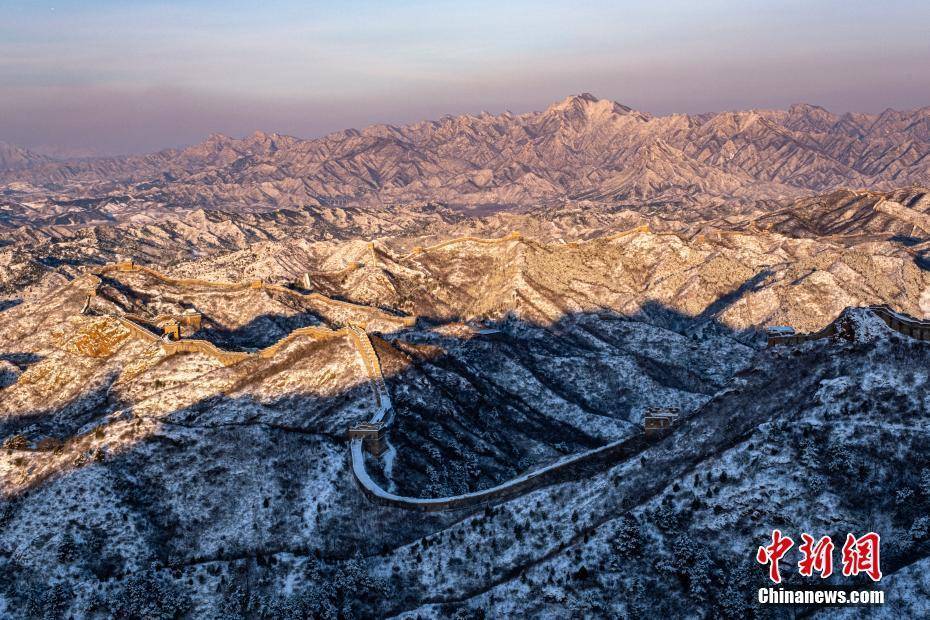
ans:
x=559 y=471
x=512 y=236
x=569 y=467
x=227 y=358
x=902 y=323
x=372 y=314
x=136 y=324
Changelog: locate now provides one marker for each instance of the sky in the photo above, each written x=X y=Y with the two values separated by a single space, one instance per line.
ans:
x=108 y=76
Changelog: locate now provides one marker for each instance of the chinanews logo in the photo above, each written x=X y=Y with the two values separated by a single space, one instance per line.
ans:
x=860 y=555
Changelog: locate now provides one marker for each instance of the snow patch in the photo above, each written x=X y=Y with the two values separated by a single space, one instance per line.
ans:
x=866 y=325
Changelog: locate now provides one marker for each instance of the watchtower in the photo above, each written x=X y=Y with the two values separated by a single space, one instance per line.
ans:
x=657 y=421
x=372 y=436
x=172 y=330
x=779 y=334
x=191 y=319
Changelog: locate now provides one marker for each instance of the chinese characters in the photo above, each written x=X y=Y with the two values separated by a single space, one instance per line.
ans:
x=859 y=555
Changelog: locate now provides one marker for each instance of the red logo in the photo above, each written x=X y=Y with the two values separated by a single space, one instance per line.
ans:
x=860 y=555
x=774 y=552
x=817 y=557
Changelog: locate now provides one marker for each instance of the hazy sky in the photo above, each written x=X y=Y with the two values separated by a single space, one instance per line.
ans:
x=136 y=75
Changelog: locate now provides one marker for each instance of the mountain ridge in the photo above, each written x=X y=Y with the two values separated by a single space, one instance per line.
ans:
x=570 y=149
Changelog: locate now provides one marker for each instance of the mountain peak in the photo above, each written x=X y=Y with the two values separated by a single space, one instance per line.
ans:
x=588 y=104
x=217 y=138
x=807 y=117
x=807 y=109
x=574 y=101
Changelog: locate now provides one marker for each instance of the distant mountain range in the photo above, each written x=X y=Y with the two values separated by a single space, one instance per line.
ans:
x=13 y=158
x=581 y=148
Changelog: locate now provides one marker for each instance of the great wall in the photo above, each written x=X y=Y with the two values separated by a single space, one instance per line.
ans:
x=417 y=250
x=566 y=468
x=372 y=433
x=373 y=314
x=512 y=236
x=136 y=323
x=902 y=323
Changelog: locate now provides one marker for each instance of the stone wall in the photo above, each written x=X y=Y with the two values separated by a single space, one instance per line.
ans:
x=227 y=358
x=901 y=323
x=361 y=314
x=513 y=236
x=557 y=472
x=562 y=471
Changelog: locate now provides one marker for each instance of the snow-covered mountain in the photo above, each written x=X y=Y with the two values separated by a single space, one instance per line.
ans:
x=234 y=377
x=579 y=147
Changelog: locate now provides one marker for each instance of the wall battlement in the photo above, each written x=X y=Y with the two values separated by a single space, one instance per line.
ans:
x=137 y=331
